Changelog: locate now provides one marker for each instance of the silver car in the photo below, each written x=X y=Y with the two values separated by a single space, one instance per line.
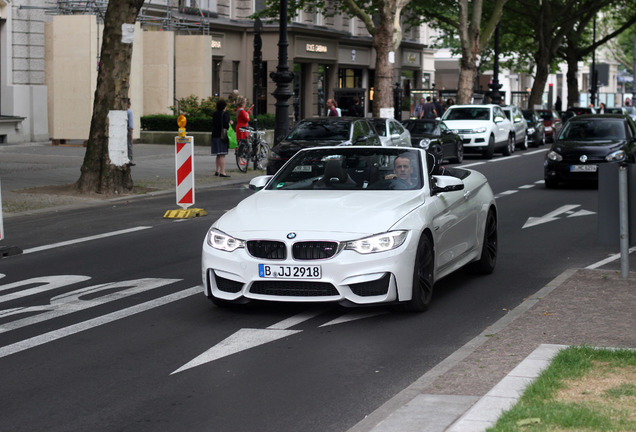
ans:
x=519 y=126
x=391 y=132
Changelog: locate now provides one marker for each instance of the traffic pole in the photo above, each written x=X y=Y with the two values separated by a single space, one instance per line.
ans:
x=184 y=175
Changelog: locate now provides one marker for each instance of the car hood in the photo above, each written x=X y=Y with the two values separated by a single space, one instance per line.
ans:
x=290 y=148
x=603 y=147
x=342 y=214
x=466 y=124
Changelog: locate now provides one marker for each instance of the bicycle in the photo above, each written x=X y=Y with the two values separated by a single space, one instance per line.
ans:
x=255 y=148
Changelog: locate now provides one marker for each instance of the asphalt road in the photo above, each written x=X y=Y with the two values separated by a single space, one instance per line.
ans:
x=100 y=334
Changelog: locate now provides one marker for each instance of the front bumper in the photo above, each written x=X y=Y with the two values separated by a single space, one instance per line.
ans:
x=347 y=278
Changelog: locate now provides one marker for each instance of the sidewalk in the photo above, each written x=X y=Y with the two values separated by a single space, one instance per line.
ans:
x=40 y=165
x=465 y=392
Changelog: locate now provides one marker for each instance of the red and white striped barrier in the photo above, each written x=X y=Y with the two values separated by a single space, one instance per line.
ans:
x=184 y=167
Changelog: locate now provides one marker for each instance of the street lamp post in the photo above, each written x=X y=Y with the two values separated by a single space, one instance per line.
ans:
x=495 y=96
x=282 y=77
x=257 y=64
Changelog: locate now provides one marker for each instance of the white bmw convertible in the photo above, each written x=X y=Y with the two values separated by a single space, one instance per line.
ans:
x=353 y=225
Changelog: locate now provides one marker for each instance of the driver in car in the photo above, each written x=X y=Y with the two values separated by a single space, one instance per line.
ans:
x=403 y=170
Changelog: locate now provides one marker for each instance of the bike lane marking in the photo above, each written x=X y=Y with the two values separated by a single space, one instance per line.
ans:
x=95 y=322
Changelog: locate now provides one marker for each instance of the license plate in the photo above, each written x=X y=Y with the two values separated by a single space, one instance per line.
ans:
x=289 y=272
x=583 y=168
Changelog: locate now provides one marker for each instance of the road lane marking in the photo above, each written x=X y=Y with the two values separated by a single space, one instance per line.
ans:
x=608 y=260
x=95 y=322
x=72 y=301
x=554 y=215
x=84 y=239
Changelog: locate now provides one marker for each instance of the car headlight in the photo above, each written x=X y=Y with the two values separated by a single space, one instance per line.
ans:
x=617 y=156
x=424 y=143
x=554 y=156
x=221 y=241
x=530 y=131
x=378 y=243
x=480 y=130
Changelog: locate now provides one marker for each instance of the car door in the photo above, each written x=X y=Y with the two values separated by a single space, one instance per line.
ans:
x=447 y=138
x=399 y=135
x=502 y=125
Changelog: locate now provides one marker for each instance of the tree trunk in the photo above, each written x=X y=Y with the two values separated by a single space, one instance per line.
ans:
x=572 y=81
x=383 y=44
x=98 y=174
x=543 y=70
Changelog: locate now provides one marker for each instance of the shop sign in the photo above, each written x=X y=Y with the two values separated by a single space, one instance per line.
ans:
x=315 y=48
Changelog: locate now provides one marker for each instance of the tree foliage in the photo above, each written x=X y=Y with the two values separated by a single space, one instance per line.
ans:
x=381 y=18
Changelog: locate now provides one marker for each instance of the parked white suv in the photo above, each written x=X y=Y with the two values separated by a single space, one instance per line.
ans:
x=519 y=126
x=484 y=128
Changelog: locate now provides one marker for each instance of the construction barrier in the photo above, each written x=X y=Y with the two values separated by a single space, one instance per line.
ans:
x=184 y=171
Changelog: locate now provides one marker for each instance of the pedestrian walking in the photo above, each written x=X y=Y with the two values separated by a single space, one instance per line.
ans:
x=220 y=124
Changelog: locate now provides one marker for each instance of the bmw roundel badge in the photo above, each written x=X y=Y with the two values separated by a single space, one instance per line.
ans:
x=291 y=236
x=583 y=158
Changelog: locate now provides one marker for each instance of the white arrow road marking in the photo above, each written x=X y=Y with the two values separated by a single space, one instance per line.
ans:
x=582 y=213
x=89 y=324
x=353 y=317
x=242 y=340
x=245 y=339
x=552 y=216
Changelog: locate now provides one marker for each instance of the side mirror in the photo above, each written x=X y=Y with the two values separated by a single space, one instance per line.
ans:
x=446 y=184
x=258 y=183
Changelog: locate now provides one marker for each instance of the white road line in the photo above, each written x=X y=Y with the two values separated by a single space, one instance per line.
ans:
x=95 y=322
x=527 y=186
x=537 y=151
x=84 y=239
x=608 y=260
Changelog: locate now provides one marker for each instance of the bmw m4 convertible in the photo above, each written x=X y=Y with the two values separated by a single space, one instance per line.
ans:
x=352 y=225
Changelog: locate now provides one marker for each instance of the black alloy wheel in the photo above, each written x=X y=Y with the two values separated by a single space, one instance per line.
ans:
x=422 y=277
x=486 y=264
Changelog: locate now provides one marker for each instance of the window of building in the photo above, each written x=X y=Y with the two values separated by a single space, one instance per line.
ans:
x=259 y=5
x=216 y=77
x=349 y=78
x=235 y=75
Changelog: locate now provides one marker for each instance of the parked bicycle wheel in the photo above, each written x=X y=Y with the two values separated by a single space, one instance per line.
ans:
x=242 y=155
x=262 y=153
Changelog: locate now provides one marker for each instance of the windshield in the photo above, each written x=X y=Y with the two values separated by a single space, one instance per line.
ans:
x=420 y=127
x=528 y=115
x=380 y=126
x=347 y=168
x=593 y=130
x=468 y=113
x=321 y=130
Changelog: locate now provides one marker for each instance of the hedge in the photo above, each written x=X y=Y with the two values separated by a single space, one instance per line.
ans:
x=165 y=122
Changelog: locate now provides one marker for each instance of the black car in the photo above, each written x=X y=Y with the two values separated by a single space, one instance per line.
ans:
x=437 y=138
x=322 y=131
x=536 y=128
x=587 y=141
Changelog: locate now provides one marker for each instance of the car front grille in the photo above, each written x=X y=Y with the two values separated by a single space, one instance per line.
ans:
x=313 y=250
x=464 y=131
x=294 y=288
x=372 y=288
x=266 y=249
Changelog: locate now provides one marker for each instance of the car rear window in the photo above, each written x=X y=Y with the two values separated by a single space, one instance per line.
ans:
x=320 y=130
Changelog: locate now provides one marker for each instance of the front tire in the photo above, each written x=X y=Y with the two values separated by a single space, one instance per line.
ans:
x=242 y=156
x=510 y=147
x=488 y=260
x=260 y=159
x=423 y=281
x=490 y=151
x=524 y=144
x=459 y=148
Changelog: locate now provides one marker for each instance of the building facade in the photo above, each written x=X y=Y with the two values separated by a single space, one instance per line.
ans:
x=49 y=58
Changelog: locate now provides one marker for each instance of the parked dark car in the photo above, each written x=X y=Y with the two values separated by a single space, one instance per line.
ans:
x=552 y=122
x=536 y=128
x=437 y=138
x=322 y=131
x=575 y=111
x=587 y=141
